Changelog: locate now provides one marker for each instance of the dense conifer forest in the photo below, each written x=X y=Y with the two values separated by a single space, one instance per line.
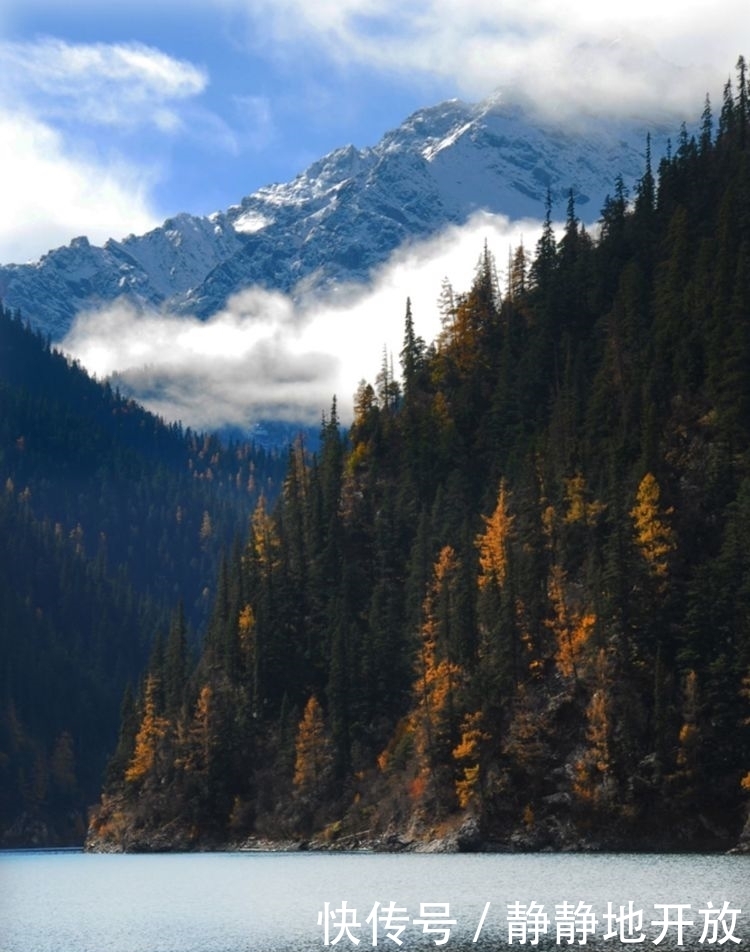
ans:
x=112 y=529
x=511 y=604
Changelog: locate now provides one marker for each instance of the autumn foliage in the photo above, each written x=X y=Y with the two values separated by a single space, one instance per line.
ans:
x=517 y=589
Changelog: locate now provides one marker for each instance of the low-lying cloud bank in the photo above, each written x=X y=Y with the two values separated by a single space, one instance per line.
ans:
x=265 y=357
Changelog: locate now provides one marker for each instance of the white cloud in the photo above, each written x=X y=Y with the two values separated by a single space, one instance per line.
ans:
x=583 y=54
x=49 y=193
x=58 y=180
x=264 y=357
x=119 y=84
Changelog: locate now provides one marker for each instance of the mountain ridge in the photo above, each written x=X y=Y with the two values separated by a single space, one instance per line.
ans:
x=342 y=216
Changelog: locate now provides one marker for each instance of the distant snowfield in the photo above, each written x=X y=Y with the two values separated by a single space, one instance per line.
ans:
x=269 y=355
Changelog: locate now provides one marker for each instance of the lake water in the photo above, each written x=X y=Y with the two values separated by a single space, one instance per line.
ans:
x=276 y=902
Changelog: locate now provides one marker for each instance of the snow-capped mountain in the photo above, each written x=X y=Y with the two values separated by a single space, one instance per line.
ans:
x=341 y=217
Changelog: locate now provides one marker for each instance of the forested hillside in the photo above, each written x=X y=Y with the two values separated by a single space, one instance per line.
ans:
x=111 y=523
x=515 y=598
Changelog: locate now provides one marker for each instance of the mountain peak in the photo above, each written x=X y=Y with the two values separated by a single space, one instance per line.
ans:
x=343 y=215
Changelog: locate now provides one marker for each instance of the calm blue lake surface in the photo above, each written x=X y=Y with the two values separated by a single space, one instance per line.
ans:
x=248 y=902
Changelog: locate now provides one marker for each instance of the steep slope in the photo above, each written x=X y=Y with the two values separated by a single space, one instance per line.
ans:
x=109 y=519
x=513 y=603
x=342 y=216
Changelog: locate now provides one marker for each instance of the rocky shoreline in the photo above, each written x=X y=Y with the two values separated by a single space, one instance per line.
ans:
x=463 y=836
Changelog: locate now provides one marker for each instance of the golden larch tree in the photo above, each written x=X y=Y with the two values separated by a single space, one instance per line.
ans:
x=152 y=730
x=265 y=541
x=572 y=628
x=468 y=756
x=580 y=507
x=498 y=609
x=493 y=543
x=654 y=537
x=313 y=751
x=435 y=716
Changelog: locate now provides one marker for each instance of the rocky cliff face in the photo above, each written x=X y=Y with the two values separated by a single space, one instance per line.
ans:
x=341 y=217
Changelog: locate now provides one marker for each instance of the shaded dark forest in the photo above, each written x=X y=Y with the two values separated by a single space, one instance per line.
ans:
x=112 y=529
x=511 y=602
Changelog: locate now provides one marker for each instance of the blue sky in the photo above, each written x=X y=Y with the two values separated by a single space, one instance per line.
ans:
x=226 y=111
x=116 y=115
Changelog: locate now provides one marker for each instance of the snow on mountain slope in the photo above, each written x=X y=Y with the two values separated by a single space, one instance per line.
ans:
x=183 y=249
x=341 y=217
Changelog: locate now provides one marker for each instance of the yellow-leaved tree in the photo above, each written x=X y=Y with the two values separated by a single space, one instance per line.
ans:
x=493 y=543
x=313 y=763
x=572 y=627
x=152 y=729
x=468 y=755
x=580 y=507
x=264 y=543
x=499 y=631
x=436 y=714
x=654 y=537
